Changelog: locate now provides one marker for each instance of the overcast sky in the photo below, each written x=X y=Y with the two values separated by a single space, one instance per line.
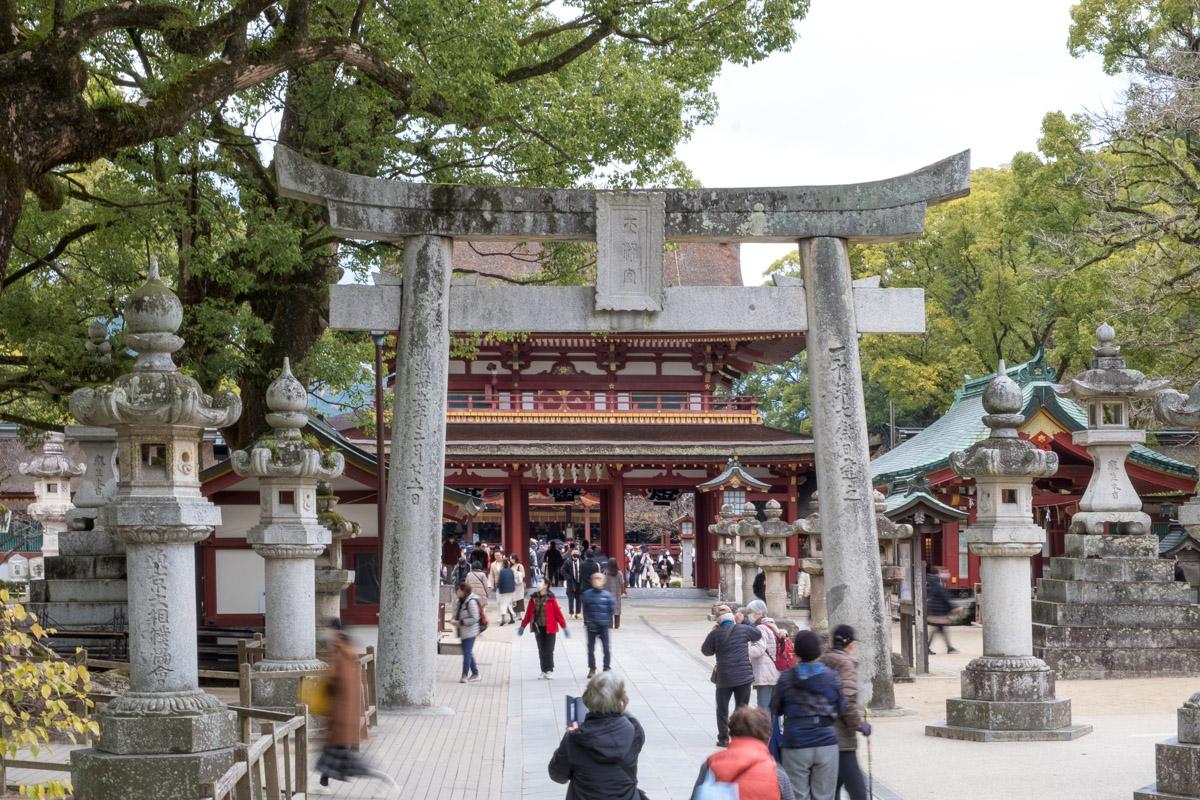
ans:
x=875 y=88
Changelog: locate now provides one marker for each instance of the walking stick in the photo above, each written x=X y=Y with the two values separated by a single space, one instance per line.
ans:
x=870 y=772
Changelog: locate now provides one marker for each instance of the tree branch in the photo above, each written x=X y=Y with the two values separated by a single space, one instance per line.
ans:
x=557 y=62
x=48 y=259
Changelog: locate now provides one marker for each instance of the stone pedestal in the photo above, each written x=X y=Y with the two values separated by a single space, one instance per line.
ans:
x=1008 y=694
x=164 y=736
x=854 y=590
x=331 y=577
x=687 y=555
x=412 y=540
x=288 y=537
x=85 y=585
x=818 y=611
x=1109 y=608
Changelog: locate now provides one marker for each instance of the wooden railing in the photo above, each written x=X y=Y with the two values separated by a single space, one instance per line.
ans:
x=282 y=741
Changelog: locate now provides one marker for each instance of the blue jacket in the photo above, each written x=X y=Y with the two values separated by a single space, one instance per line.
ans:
x=506 y=582
x=809 y=698
x=598 y=608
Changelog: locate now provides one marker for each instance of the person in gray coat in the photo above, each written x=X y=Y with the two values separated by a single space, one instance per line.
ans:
x=468 y=617
x=733 y=674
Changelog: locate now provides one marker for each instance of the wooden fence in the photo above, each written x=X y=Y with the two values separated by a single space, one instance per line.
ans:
x=282 y=741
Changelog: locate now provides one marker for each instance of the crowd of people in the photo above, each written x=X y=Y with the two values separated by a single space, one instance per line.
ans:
x=798 y=740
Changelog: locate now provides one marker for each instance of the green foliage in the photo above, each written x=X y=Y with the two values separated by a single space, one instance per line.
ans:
x=39 y=698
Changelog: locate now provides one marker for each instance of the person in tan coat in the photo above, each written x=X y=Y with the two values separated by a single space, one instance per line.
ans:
x=340 y=758
x=841 y=660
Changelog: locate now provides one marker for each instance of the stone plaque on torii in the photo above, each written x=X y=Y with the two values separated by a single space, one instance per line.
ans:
x=629 y=228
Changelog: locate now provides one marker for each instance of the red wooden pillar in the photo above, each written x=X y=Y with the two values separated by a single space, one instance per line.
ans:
x=949 y=554
x=614 y=536
x=791 y=513
x=704 y=540
x=515 y=533
x=605 y=515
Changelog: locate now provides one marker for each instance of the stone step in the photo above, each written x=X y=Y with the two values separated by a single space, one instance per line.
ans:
x=73 y=567
x=1108 y=592
x=1115 y=615
x=1119 y=662
x=1111 y=569
x=1070 y=636
x=1041 y=715
x=1177 y=767
x=87 y=590
x=1087 y=545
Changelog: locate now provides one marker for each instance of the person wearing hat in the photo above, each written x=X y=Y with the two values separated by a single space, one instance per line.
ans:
x=809 y=698
x=841 y=660
x=545 y=615
x=733 y=674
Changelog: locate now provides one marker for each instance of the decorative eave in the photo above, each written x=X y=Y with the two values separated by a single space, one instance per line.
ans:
x=904 y=504
x=734 y=477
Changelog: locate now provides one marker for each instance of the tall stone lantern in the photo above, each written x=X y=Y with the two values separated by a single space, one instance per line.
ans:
x=164 y=736
x=1106 y=391
x=331 y=575
x=51 y=471
x=1007 y=694
x=731 y=529
x=1177 y=760
x=812 y=563
x=288 y=535
x=775 y=561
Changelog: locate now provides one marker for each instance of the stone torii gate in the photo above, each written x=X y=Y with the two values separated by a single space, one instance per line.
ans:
x=630 y=228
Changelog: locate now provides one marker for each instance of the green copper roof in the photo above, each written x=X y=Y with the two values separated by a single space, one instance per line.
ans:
x=900 y=502
x=962 y=425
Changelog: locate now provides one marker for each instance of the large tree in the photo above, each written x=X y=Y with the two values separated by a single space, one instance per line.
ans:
x=182 y=103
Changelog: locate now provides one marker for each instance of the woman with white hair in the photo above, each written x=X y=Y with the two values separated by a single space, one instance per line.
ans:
x=762 y=652
x=598 y=759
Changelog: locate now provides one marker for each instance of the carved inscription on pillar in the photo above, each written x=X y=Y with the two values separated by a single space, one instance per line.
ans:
x=629 y=262
x=158 y=615
x=840 y=401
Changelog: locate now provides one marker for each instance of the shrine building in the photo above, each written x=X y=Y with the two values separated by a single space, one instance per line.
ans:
x=922 y=489
x=550 y=433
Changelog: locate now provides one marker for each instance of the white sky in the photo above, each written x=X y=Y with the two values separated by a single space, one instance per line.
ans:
x=875 y=88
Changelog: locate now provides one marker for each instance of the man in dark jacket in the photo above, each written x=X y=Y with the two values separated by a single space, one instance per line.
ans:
x=598 y=608
x=733 y=675
x=635 y=569
x=554 y=562
x=573 y=576
x=937 y=607
x=589 y=568
x=809 y=698
x=599 y=757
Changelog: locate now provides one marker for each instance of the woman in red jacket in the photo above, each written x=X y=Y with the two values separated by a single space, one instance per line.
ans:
x=747 y=762
x=545 y=614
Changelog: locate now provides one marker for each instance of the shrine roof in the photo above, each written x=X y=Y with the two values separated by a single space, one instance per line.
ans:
x=713 y=441
x=684 y=263
x=962 y=426
x=900 y=502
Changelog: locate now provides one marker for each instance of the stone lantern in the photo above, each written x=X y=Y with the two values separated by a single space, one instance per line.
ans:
x=729 y=529
x=1177 y=760
x=288 y=535
x=812 y=563
x=51 y=471
x=1007 y=694
x=331 y=576
x=775 y=561
x=1106 y=391
x=164 y=736
x=890 y=535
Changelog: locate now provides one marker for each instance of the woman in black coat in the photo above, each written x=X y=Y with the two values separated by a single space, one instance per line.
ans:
x=733 y=675
x=598 y=759
x=937 y=607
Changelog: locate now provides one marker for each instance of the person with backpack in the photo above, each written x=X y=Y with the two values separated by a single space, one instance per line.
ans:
x=545 y=615
x=747 y=763
x=763 y=652
x=733 y=675
x=850 y=723
x=470 y=620
x=598 y=608
x=809 y=698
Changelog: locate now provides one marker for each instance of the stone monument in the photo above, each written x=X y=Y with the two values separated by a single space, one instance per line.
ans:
x=1177 y=760
x=629 y=229
x=164 y=737
x=890 y=535
x=52 y=472
x=1007 y=694
x=725 y=529
x=288 y=536
x=774 y=560
x=1109 y=608
x=331 y=576
x=687 y=557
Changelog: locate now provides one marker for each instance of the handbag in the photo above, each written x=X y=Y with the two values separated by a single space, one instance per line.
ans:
x=315 y=693
x=713 y=789
x=728 y=632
